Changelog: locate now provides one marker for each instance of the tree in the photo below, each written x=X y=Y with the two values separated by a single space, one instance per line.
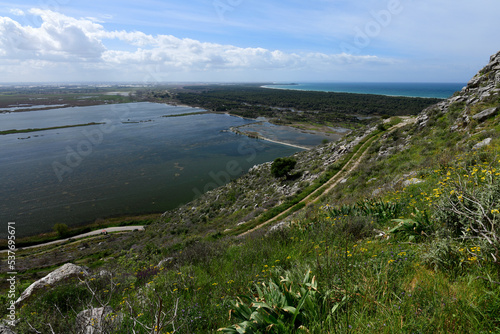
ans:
x=61 y=229
x=282 y=166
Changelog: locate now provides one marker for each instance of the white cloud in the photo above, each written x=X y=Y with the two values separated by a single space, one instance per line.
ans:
x=59 y=38
x=79 y=46
x=17 y=12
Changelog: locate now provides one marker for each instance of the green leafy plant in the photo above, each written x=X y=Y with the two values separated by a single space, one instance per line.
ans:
x=413 y=229
x=277 y=307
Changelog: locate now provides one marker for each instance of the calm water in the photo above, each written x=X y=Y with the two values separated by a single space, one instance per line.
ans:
x=436 y=90
x=287 y=134
x=137 y=162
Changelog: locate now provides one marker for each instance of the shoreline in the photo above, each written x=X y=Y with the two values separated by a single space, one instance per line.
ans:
x=101 y=231
x=13 y=131
x=295 y=87
x=120 y=221
x=259 y=136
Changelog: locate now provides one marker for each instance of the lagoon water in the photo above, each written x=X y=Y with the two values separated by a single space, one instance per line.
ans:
x=136 y=162
x=435 y=90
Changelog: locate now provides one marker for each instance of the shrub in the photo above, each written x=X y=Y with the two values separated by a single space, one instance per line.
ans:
x=282 y=166
x=444 y=255
x=470 y=206
x=62 y=230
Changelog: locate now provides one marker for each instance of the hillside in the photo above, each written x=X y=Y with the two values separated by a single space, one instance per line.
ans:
x=406 y=241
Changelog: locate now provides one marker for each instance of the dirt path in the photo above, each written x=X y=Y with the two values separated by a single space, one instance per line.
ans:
x=84 y=235
x=349 y=166
x=283 y=143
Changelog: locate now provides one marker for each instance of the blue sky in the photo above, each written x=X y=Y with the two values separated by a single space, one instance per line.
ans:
x=242 y=40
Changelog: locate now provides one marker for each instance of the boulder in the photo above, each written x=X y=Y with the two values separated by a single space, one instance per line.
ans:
x=279 y=226
x=412 y=181
x=63 y=273
x=165 y=262
x=482 y=144
x=97 y=321
x=485 y=114
x=5 y=330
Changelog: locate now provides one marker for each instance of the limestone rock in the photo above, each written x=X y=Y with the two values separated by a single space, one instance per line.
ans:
x=422 y=119
x=483 y=87
x=165 y=262
x=485 y=114
x=280 y=226
x=97 y=321
x=63 y=273
x=5 y=330
x=482 y=144
x=412 y=181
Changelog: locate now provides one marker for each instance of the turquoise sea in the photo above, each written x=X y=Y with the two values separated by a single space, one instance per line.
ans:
x=435 y=90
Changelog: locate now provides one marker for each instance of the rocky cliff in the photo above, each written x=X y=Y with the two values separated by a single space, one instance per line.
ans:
x=477 y=101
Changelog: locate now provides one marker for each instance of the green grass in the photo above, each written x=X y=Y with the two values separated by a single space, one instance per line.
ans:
x=188 y=114
x=435 y=276
x=365 y=284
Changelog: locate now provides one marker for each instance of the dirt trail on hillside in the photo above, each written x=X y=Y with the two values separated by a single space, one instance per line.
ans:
x=350 y=166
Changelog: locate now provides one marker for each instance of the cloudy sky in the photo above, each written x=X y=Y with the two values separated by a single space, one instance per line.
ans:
x=246 y=40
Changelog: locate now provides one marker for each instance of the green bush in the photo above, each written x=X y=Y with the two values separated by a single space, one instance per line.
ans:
x=469 y=206
x=282 y=166
x=61 y=229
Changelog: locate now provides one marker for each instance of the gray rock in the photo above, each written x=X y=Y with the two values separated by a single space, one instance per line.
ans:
x=412 y=181
x=165 y=262
x=422 y=119
x=63 y=273
x=105 y=273
x=485 y=114
x=280 y=226
x=97 y=321
x=6 y=330
x=454 y=99
x=482 y=144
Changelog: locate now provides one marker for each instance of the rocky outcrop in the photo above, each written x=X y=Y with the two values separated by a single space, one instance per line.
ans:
x=487 y=77
x=97 y=321
x=412 y=182
x=61 y=274
x=485 y=114
x=482 y=144
x=484 y=84
x=482 y=89
x=5 y=330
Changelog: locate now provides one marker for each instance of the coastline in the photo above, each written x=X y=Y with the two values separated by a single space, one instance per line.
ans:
x=259 y=136
x=442 y=90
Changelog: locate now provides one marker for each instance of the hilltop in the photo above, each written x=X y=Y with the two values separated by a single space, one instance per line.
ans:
x=406 y=240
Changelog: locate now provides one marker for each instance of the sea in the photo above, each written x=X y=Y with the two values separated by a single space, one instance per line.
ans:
x=136 y=161
x=431 y=90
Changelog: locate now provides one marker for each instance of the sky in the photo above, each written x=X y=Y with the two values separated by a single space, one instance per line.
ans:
x=151 y=41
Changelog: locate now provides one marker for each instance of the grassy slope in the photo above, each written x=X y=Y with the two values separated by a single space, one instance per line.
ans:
x=425 y=279
x=374 y=284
